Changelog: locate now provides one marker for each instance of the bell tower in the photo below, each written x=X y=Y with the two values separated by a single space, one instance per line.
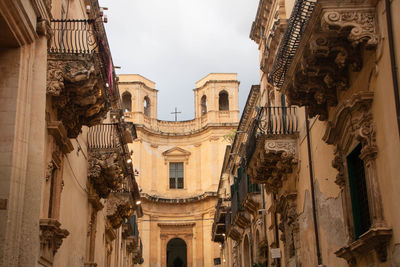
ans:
x=139 y=97
x=216 y=98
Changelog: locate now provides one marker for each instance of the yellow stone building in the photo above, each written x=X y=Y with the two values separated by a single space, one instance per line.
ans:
x=311 y=178
x=179 y=164
x=67 y=190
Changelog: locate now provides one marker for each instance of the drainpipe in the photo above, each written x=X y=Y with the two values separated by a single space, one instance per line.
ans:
x=310 y=164
x=393 y=60
x=265 y=224
x=277 y=260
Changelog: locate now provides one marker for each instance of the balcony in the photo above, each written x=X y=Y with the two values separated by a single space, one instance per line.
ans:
x=219 y=227
x=249 y=193
x=239 y=217
x=271 y=146
x=80 y=77
x=322 y=45
x=107 y=155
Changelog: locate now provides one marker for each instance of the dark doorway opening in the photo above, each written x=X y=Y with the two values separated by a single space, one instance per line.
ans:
x=176 y=253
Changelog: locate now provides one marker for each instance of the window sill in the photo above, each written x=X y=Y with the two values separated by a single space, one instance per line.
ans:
x=374 y=239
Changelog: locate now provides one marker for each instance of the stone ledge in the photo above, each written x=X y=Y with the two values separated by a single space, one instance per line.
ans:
x=374 y=239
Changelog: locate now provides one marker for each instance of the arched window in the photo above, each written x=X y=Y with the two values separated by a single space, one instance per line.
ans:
x=223 y=100
x=203 y=105
x=146 y=104
x=176 y=253
x=127 y=102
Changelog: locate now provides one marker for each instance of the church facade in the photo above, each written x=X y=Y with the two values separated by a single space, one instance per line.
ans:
x=178 y=165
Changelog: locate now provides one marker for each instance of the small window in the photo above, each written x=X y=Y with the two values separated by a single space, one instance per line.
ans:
x=127 y=102
x=223 y=100
x=203 y=105
x=176 y=175
x=146 y=106
x=358 y=192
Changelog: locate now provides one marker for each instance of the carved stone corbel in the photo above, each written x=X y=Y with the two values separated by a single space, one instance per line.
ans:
x=77 y=93
x=272 y=160
x=51 y=238
x=104 y=172
x=119 y=207
x=335 y=38
x=359 y=24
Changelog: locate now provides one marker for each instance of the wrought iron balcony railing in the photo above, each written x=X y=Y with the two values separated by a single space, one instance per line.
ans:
x=72 y=37
x=103 y=136
x=278 y=120
x=271 y=121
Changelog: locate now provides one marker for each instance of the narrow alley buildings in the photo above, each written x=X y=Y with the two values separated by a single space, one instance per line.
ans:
x=311 y=178
x=68 y=195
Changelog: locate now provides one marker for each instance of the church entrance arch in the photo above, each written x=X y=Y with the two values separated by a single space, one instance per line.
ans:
x=176 y=253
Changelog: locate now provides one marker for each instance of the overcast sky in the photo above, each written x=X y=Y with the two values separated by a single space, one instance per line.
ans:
x=175 y=43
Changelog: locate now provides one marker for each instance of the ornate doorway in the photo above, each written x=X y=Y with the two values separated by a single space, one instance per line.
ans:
x=176 y=253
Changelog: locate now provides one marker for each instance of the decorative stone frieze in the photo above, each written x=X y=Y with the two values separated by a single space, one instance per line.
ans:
x=104 y=172
x=119 y=207
x=77 y=91
x=51 y=238
x=273 y=158
x=331 y=48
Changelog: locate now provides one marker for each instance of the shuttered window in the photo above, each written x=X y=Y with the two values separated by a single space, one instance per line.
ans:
x=176 y=175
x=358 y=192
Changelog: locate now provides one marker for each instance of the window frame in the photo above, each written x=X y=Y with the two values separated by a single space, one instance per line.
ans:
x=176 y=177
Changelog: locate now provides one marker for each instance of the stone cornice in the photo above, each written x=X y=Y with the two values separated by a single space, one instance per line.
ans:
x=140 y=83
x=197 y=198
x=216 y=81
x=191 y=133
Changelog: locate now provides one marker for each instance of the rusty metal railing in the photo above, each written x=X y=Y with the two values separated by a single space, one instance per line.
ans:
x=72 y=37
x=103 y=136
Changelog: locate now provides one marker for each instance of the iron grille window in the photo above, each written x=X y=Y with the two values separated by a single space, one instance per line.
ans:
x=176 y=175
x=358 y=192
